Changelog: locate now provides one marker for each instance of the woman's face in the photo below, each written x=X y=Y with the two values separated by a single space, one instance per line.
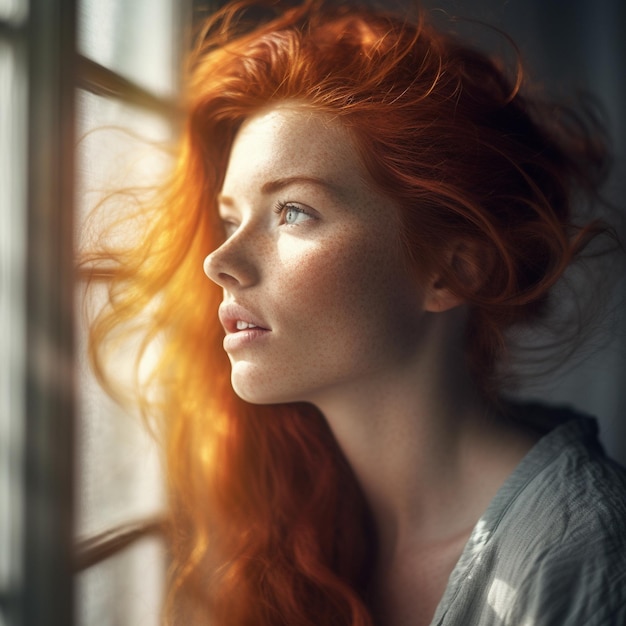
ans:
x=317 y=298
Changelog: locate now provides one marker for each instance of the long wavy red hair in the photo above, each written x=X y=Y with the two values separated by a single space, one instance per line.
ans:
x=268 y=524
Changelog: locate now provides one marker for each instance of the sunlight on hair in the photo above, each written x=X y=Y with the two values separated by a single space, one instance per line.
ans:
x=120 y=148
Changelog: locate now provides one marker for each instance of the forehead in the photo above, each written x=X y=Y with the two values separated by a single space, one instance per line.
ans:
x=289 y=141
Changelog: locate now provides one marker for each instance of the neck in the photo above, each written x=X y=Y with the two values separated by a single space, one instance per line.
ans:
x=425 y=448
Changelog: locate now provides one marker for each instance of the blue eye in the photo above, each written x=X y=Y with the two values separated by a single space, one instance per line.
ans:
x=291 y=213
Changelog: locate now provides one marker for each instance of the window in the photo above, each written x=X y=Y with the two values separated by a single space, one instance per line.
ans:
x=79 y=480
x=127 y=82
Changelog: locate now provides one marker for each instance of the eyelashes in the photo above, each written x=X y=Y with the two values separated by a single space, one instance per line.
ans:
x=292 y=213
x=289 y=214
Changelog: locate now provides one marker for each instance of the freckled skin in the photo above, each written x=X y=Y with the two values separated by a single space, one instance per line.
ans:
x=352 y=332
x=332 y=287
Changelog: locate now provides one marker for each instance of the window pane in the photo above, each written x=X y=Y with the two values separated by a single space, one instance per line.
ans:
x=12 y=9
x=118 y=476
x=118 y=468
x=125 y=590
x=131 y=38
x=120 y=147
x=12 y=310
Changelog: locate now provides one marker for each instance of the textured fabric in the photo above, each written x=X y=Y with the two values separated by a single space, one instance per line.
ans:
x=550 y=550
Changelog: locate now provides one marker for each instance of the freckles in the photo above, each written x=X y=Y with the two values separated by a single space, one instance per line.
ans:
x=341 y=275
x=331 y=291
x=305 y=274
x=263 y=249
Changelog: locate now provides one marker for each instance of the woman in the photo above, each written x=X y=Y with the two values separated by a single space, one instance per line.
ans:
x=379 y=206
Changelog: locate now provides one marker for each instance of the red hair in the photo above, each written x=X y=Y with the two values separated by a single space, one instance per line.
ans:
x=269 y=525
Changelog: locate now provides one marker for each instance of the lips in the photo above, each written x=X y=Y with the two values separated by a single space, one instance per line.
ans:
x=235 y=319
x=243 y=328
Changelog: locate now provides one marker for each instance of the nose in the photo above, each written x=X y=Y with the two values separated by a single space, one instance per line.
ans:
x=231 y=265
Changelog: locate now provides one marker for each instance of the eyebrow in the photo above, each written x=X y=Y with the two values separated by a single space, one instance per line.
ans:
x=273 y=186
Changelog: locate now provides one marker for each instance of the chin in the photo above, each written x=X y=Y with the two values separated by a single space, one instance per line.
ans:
x=258 y=393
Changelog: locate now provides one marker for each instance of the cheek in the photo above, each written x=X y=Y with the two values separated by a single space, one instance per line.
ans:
x=323 y=271
x=345 y=280
x=337 y=305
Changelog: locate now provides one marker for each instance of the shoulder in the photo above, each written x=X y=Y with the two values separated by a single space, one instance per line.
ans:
x=551 y=548
x=568 y=483
x=561 y=540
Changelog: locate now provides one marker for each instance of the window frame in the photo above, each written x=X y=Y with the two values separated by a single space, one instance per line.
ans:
x=47 y=590
x=39 y=586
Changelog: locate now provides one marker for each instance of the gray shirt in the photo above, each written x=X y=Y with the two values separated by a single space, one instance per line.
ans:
x=550 y=550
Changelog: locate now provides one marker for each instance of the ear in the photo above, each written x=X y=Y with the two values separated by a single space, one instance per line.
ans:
x=464 y=265
x=439 y=298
